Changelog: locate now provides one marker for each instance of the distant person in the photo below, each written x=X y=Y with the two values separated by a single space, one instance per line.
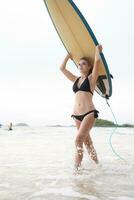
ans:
x=84 y=112
x=10 y=126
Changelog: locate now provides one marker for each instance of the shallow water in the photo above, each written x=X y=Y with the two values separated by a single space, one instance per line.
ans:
x=37 y=164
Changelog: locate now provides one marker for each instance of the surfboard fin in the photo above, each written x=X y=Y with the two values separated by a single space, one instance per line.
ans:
x=111 y=75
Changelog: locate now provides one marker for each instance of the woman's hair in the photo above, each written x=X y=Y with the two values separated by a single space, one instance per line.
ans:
x=89 y=63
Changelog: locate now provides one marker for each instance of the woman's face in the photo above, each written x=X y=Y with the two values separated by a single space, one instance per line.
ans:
x=83 y=66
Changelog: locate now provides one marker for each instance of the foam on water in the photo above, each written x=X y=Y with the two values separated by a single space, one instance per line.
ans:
x=37 y=164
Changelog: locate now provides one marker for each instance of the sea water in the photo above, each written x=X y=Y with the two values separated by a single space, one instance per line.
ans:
x=38 y=164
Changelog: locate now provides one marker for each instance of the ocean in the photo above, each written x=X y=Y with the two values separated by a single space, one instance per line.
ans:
x=37 y=163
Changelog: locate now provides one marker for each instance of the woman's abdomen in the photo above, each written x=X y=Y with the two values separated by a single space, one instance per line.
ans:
x=83 y=104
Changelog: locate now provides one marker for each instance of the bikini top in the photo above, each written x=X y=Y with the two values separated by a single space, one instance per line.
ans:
x=85 y=86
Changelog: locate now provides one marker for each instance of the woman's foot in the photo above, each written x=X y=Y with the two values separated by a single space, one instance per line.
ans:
x=77 y=169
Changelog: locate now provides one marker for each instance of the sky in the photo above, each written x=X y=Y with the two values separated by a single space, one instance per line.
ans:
x=33 y=89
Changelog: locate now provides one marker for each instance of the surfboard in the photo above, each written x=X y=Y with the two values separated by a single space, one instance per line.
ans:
x=78 y=39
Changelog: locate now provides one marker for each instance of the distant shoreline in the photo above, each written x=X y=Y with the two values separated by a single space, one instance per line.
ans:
x=98 y=123
x=107 y=123
x=118 y=126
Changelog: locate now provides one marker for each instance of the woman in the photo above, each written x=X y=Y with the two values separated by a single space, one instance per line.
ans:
x=84 y=112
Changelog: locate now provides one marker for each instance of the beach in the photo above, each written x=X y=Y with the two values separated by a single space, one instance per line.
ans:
x=37 y=163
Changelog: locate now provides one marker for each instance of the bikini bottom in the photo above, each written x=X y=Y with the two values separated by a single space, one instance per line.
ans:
x=81 y=117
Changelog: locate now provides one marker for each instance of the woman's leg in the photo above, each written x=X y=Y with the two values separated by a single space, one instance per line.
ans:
x=78 y=123
x=84 y=128
x=90 y=148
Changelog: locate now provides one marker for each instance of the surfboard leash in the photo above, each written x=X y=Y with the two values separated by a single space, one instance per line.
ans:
x=113 y=132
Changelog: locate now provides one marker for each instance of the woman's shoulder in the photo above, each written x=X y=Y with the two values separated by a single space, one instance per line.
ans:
x=89 y=76
x=76 y=77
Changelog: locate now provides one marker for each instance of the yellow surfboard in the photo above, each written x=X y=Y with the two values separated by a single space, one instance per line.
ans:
x=78 y=39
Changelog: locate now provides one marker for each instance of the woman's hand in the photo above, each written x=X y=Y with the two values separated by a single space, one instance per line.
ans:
x=69 y=56
x=98 y=50
x=63 y=65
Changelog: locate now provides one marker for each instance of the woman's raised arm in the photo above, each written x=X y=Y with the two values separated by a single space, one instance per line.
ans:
x=97 y=60
x=66 y=72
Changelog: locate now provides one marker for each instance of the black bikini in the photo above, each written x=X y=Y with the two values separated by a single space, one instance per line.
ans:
x=85 y=86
